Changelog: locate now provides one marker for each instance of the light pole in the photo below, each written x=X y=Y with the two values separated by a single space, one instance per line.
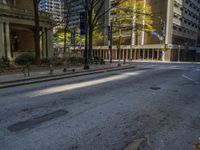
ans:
x=110 y=40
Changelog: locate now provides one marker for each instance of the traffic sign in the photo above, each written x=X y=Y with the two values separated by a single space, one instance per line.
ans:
x=82 y=23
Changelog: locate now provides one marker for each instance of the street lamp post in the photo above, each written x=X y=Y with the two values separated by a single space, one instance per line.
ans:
x=110 y=42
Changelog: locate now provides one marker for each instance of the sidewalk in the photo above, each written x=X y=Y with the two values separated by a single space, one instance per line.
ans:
x=57 y=72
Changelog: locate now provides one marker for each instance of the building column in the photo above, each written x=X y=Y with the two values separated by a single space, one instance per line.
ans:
x=49 y=44
x=147 y=54
x=143 y=54
x=143 y=23
x=44 y=43
x=2 y=42
x=7 y=40
x=153 y=54
x=169 y=23
x=133 y=34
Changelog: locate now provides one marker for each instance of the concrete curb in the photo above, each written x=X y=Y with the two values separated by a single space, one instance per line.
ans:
x=33 y=80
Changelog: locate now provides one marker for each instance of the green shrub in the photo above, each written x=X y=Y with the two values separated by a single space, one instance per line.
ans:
x=101 y=61
x=4 y=62
x=55 y=61
x=73 y=59
x=24 y=59
x=45 y=61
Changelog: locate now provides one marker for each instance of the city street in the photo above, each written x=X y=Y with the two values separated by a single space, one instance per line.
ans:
x=155 y=106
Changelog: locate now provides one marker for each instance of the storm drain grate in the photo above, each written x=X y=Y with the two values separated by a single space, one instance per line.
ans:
x=30 y=123
x=155 y=88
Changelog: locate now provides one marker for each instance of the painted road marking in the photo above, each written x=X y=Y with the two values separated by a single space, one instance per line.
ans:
x=186 y=77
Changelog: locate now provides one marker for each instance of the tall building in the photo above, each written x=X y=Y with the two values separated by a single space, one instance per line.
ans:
x=177 y=21
x=17 y=23
x=181 y=19
x=74 y=8
x=53 y=7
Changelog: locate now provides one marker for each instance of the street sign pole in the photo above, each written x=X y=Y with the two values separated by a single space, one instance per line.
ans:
x=110 y=41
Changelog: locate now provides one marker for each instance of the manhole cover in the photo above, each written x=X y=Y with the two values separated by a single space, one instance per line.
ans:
x=155 y=88
x=30 y=123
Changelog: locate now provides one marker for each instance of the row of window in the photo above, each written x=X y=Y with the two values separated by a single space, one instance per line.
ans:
x=187 y=12
x=192 y=4
x=186 y=21
x=184 y=30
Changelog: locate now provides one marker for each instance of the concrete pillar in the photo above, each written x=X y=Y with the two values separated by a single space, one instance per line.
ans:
x=14 y=3
x=2 y=42
x=143 y=54
x=147 y=54
x=131 y=54
x=143 y=23
x=133 y=34
x=135 y=53
x=50 y=51
x=152 y=54
x=169 y=23
x=43 y=53
x=7 y=40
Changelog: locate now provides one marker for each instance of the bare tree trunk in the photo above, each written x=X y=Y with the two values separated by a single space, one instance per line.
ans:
x=37 y=33
x=65 y=40
x=90 y=43
x=90 y=34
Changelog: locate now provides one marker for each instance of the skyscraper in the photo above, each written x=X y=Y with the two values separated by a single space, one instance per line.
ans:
x=53 y=7
x=74 y=8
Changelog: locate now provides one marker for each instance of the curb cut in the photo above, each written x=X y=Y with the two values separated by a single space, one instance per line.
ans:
x=33 y=80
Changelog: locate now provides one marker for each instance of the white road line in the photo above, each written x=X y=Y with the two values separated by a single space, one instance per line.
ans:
x=186 y=77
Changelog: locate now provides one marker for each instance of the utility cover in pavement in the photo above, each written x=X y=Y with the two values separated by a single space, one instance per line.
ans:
x=30 y=123
x=155 y=88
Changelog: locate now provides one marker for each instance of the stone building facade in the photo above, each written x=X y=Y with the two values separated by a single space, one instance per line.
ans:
x=17 y=29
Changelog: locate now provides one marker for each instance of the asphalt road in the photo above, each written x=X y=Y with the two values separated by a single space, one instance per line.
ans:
x=154 y=106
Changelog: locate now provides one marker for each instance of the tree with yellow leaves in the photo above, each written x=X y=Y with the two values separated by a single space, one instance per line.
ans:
x=132 y=16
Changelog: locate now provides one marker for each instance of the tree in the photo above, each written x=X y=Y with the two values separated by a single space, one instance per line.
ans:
x=67 y=7
x=95 y=11
x=64 y=38
x=37 y=31
x=133 y=16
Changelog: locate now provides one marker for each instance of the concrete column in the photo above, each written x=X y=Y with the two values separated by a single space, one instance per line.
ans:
x=7 y=40
x=152 y=54
x=143 y=23
x=135 y=53
x=43 y=43
x=131 y=54
x=133 y=34
x=169 y=23
x=49 y=42
x=143 y=54
x=2 y=42
x=14 y=3
x=147 y=54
